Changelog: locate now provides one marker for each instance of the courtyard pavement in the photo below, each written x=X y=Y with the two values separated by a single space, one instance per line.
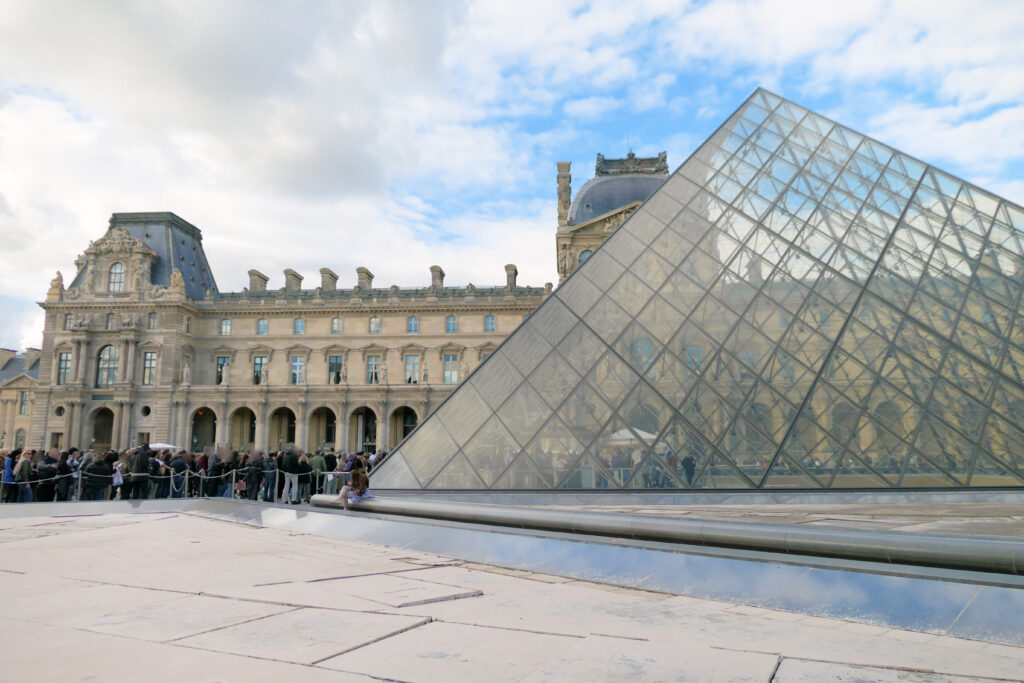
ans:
x=173 y=596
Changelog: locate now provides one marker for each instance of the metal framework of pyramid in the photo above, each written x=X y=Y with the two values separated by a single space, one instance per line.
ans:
x=799 y=306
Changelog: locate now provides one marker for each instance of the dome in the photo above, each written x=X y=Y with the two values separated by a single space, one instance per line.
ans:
x=605 y=193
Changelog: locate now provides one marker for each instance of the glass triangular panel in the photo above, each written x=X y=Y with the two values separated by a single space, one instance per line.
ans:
x=797 y=306
x=457 y=474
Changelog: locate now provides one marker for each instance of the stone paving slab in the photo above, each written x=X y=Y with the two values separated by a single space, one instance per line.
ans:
x=239 y=602
x=305 y=635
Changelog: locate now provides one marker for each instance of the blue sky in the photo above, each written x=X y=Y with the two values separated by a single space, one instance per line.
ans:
x=397 y=135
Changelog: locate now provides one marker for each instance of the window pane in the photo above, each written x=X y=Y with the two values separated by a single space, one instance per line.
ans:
x=412 y=369
x=451 y=368
x=375 y=325
x=300 y=326
x=334 y=370
x=298 y=365
x=449 y=324
x=225 y=327
x=489 y=323
x=336 y=326
x=116 y=281
x=412 y=325
x=259 y=370
x=261 y=326
x=373 y=369
x=149 y=367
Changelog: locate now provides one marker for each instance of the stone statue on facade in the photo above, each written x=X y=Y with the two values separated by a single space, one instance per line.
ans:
x=264 y=375
x=186 y=372
x=225 y=374
x=425 y=377
x=383 y=373
x=141 y=276
x=56 y=288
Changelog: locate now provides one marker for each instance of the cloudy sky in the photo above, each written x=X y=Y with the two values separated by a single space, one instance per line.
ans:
x=397 y=135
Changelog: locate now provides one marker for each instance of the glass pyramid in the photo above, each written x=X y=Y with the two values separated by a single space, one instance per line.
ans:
x=798 y=306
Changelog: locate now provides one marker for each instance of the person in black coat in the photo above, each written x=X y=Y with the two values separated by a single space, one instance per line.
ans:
x=97 y=477
x=254 y=476
x=290 y=467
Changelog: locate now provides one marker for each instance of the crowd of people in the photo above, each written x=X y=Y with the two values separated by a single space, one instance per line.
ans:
x=288 y=476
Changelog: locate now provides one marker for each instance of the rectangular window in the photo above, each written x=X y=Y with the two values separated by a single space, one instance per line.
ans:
x=111 y=322
x=450 y=325
x=334 y=369
x=225 y=327
x=451 y=368
x=63 y=367
x=298 y=365
x=373 y=369
x=412 y=369
x=259 y=364
x=375 y=325
x=149 y=367
x=693 y=357
x=336 y=326
x=300 y=326
x=746 y=365
x=151 y=321
x=489 y=323
x=23 y=403
x=412 y=325
x=222 y=362
x=261 y=326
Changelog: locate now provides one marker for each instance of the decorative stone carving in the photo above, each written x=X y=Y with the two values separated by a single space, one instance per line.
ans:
x=186 y=372
x=142 y=275
x=470 y=289
x=118 y=241
x=393 y=291
x=177 y=283
x=56 y=290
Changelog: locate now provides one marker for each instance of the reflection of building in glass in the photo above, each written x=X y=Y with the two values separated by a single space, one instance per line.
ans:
x=797 y=306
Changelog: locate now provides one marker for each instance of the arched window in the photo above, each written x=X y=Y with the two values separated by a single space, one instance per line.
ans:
x=450 y=325
x=115 y=281
x=584 y=255
x=106 y=367
x=374 y=325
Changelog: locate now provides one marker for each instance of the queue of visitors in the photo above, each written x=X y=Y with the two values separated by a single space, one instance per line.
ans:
x=284 y=476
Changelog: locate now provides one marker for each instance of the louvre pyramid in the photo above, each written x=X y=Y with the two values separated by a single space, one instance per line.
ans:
x=798 y=306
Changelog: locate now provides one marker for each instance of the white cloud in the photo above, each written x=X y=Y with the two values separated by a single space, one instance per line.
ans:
x=591 y=107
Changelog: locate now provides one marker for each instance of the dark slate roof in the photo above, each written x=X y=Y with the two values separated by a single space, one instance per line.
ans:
x=177 y=243
x=602 y=194
x=16 y=366
x=382 y=293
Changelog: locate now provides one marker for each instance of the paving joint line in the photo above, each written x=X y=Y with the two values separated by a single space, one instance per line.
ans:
x=238 y=623
x=423 y=622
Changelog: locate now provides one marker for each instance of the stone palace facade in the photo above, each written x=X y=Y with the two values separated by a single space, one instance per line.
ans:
x=141 y=346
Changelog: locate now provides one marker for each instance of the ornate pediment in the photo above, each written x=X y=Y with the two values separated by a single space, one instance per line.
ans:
x=118 y=241
x=22 y=381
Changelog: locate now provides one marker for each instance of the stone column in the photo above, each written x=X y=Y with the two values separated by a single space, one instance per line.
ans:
x=261 y=426
x=181 y=425
x=123 y=368
x=82 y=362
x=130 y=362
x=223 y=426
x=7 y=437
x=76 y=361
x=115 y=432
x=341 y=430
x=301 y=425
x=126 y=423
x=69 y=424
x=380 y=425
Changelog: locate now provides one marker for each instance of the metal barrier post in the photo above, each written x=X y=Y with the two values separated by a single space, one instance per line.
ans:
x=232 y=491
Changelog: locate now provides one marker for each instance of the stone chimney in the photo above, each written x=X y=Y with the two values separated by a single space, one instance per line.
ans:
x=6 y=355
x=436 y=277
x=328 y=280
x=30 y=357
x=257 y=281
x=364 y=278
x=564 y=191
x=292 y=280
x=510 y=276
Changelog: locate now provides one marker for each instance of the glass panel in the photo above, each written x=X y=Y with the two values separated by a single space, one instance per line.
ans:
x=462 y=413
x=491 y=450
x=394 y=473
x=428 y=452
x=496 y=379
x=457 y=474
x=523 y=413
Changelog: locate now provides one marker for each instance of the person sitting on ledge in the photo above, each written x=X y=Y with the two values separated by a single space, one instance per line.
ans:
x=357 y=488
